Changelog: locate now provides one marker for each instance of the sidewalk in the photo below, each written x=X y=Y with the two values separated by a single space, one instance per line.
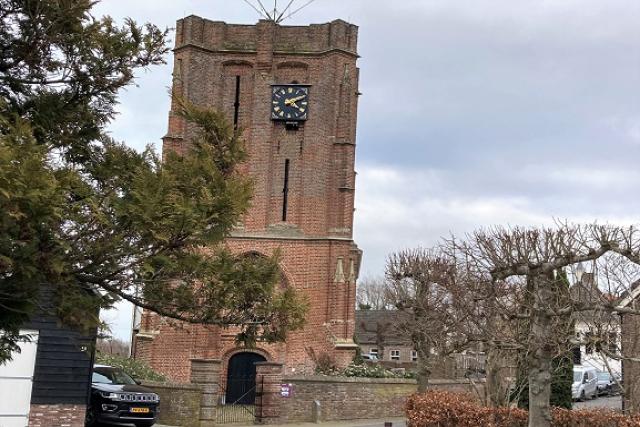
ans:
x=397 y=422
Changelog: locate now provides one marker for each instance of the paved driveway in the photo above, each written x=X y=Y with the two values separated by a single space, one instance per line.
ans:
x=611 y=402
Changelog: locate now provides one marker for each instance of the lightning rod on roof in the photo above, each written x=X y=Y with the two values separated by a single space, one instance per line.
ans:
x=275 y=14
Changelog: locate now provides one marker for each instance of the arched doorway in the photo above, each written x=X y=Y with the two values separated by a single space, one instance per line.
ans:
x=241 y=378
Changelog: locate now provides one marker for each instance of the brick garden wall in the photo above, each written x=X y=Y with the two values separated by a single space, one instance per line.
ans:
x=179 y=404
x=340 y=398
x=56 y=415
x=344 y=398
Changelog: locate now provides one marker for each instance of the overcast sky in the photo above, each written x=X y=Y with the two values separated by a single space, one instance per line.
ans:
x=473 y=113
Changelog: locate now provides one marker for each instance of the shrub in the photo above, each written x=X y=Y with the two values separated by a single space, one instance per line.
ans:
x=445 y=409
x=325 y=362
x=135 y=368
x=372 y=371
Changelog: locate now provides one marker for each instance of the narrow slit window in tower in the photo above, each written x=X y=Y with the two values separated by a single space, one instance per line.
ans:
x=236 y=104
x=285 y=190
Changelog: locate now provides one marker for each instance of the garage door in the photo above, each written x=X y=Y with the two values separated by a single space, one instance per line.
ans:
x=15 y=384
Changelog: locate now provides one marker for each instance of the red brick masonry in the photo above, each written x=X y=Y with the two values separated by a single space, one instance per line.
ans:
x=319 y=257
x=56 y=416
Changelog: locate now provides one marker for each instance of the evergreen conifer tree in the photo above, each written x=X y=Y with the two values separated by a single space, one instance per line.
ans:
x=95 y=221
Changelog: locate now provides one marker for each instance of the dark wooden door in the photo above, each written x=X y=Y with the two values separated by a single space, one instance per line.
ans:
x=241 y=378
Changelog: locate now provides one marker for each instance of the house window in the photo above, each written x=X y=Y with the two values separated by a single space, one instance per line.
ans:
x=373 y=351
x=395 y=354
x=414 y=356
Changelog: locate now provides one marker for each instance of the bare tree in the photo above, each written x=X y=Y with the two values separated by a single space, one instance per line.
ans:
x=370 y=294
x=434 y=309
x=525 y=261
x=113 y=346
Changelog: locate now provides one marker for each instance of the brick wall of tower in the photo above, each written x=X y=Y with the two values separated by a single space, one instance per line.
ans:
x=170 y=345
x=319 y=257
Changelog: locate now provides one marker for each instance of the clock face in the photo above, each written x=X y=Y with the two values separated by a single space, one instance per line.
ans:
x=289 y=102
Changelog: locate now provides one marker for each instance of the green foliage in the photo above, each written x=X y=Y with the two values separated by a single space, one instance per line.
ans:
x=97 y=221
x=373 y=371
x=563 y=379
x=135 y=368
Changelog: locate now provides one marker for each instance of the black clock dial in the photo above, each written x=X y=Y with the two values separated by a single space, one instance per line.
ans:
x=289 y=102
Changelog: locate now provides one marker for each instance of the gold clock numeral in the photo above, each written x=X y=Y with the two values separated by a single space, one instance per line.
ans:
x=290 y=90
x=276 y=109
x=281 y=113
x=302 y=110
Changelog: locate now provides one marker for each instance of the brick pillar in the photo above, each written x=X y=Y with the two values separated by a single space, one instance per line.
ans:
x=206 y=373
x=268 y=399
x=264 y=45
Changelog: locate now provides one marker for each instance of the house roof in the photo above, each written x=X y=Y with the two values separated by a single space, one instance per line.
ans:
x=380 y=327
x=586 y=291
x=629 y=296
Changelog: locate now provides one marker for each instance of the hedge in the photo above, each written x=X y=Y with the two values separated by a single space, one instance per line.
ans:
x=135 y=368
x=445 y=409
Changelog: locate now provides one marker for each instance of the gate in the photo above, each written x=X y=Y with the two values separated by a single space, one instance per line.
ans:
x=240 y=391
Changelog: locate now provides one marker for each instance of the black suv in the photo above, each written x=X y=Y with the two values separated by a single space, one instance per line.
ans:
x=118 y=398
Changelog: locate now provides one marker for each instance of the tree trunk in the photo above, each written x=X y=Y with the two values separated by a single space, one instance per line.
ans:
x=540 y=355
x=496 y=393
x=424 y=368
x=540 y=392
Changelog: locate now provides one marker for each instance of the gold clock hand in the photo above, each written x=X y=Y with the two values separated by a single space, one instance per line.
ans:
x=292 y=101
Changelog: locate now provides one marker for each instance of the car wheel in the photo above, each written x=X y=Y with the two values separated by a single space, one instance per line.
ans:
x=90 y=419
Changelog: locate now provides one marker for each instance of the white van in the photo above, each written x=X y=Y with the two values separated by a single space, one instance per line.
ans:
x=585 y=383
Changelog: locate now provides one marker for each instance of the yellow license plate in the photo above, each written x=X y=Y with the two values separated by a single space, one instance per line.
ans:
x=140 y=410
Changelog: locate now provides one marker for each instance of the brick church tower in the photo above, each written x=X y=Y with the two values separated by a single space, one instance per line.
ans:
x=294 y=92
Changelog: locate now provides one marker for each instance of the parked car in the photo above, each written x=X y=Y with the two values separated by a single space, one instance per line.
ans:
x=607 y=384
x=371 y=357
x=585 y=383
x=118 y=398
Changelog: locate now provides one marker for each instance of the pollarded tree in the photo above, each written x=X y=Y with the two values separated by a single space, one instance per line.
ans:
x=434 y=309
x=81 y=212
x=562 y=365
x=527 y=260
